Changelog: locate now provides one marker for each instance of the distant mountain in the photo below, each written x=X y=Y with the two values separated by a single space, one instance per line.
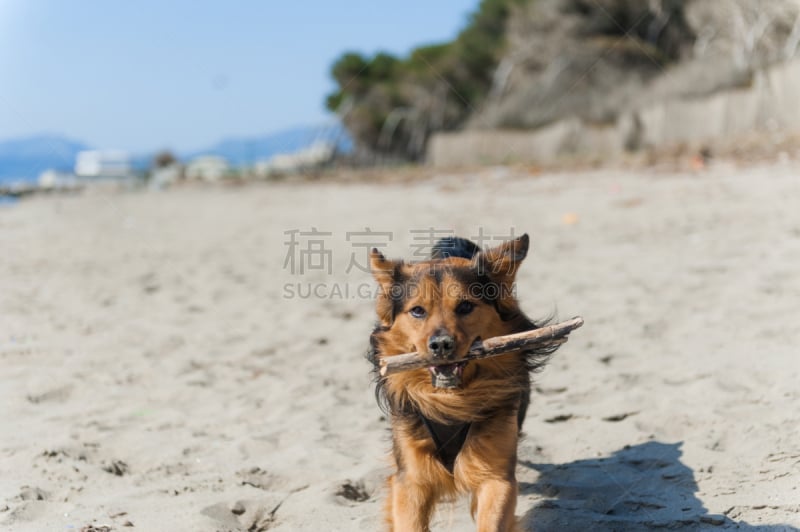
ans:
x=248 y=150
x=25 y=158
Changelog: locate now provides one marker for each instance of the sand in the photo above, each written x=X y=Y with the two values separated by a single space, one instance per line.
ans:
x=163 y=369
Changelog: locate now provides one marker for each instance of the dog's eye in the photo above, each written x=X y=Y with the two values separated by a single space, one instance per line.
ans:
x=417 y=312
x=465 y=307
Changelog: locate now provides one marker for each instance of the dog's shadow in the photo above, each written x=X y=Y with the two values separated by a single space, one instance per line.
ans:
x=638 y=487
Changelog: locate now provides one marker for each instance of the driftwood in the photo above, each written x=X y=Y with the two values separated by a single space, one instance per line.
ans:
x=552 y=335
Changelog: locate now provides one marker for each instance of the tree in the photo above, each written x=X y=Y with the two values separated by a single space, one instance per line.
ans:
x=395 y=103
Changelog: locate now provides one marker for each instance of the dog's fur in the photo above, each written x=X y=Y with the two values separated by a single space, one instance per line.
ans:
x=492 y=396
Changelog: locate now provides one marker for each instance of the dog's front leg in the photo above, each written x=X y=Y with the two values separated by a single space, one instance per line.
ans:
x=486 y=468
x=495 y=502
x=411 y=504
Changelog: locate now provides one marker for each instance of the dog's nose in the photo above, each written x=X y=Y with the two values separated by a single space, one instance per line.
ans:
x=441 y=345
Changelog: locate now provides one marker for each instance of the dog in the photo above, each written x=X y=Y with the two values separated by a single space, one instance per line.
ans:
x=455 y=427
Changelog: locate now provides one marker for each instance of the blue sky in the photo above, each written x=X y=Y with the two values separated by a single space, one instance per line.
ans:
x=145 y=74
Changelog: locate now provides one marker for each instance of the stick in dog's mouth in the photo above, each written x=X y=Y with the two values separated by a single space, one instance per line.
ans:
x=447 y=376
x=546 y=336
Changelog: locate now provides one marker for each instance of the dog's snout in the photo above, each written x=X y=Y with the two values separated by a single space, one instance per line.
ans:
x=441 y=345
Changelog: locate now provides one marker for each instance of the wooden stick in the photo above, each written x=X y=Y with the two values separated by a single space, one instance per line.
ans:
x=551 y=335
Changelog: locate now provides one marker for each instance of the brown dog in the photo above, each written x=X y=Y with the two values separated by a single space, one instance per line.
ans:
x=454 y=427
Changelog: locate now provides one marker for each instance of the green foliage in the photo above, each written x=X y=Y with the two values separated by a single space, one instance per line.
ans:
x=481 y=41
x=348 y=67
x=435 y=87
x=421 y=59
x=382 y=67
x=334 y=100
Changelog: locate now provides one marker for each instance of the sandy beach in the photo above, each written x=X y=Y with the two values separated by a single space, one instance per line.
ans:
x=172 y=361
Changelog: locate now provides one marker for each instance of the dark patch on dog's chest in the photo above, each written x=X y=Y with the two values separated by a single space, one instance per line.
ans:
x=448 y=439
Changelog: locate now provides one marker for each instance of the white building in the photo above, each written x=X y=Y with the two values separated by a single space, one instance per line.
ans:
x=208 y=168
x=312 y=157
x=53 y=179
x=103 y=163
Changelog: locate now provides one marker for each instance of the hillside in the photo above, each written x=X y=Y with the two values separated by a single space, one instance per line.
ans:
x=596 y=59
x=25 y=158
x=547 y=60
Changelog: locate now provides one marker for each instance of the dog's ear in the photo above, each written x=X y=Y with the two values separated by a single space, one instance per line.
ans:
x=500 y=265
x=386 y=272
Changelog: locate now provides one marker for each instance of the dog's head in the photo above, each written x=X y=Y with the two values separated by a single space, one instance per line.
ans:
x=443 y=305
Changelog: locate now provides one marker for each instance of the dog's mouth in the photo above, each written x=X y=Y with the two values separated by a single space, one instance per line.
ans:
x=447 y=376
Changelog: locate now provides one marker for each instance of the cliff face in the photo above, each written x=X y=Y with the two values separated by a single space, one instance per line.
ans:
x=595 y=59
x=755 y=116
